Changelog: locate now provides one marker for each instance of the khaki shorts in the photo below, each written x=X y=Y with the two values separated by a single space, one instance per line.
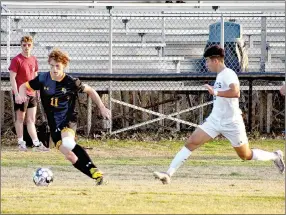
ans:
x=233 y=130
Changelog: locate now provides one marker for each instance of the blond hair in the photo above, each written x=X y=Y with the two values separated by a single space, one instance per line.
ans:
x=59 y=56
x=26 y=39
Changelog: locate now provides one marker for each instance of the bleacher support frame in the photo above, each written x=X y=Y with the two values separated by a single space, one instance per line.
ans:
x=120 y=80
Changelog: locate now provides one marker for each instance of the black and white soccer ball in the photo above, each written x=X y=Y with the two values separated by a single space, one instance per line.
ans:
x=43 y=177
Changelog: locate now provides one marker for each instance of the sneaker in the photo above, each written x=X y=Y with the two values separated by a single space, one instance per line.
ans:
x=279 y=163
x=163 y=176
x=22 y=146
x=40 y=148
x=97 y=176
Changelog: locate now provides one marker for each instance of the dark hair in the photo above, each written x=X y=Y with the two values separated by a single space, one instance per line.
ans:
x=214 y=51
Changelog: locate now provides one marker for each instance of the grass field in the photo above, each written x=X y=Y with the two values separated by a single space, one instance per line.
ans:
x=214 y=180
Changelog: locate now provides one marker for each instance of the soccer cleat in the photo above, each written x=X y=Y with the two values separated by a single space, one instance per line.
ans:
x=40 y=148
x=22 y=146
x=162 y=176
x=279 y=163
x=97 y=176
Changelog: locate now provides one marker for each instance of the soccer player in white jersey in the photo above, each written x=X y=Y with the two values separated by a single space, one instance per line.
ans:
x=224 y=119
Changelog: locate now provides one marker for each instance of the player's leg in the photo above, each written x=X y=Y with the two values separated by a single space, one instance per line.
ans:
x=31 y=119
x=198 y=138
x=201 y=135
x=20 y=110
x=78 y=156
x=245 y=153
x=236 y=134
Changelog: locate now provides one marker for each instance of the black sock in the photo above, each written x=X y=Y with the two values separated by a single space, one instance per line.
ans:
x=84 y=163
x=81 y=168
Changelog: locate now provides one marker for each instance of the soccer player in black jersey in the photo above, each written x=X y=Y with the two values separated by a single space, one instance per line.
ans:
x=58 y=95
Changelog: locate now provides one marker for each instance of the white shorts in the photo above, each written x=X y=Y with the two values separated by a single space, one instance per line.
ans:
x=233 y=130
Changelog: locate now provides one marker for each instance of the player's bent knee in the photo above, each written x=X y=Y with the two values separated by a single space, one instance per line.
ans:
x=30 y=120
x=20 y=119
x=71 y=157
x=20 y=116
x=69 y=143
x=191 y=145
x=192 y=141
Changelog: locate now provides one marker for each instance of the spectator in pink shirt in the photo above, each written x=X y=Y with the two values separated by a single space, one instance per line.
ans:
x=23 y=68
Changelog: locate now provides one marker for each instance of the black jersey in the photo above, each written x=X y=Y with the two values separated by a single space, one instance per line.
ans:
x=58 y=98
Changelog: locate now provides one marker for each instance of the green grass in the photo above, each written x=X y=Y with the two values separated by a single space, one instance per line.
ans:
x=213 y=153
x=57 y=160
x=213 y=181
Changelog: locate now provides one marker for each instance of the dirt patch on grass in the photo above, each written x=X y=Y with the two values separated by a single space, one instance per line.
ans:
x=133 y=189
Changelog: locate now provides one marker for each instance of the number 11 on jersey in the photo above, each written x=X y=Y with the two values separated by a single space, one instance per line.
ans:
x=54 y=102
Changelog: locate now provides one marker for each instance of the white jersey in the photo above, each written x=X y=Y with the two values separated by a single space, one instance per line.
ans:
x=225 y=108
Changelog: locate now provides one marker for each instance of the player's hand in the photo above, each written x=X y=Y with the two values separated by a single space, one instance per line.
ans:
x=24 y=97
x=209 y=88
x=105 y=112
x=20 y=99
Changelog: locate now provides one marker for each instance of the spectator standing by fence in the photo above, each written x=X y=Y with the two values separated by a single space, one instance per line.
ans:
x=23 y=68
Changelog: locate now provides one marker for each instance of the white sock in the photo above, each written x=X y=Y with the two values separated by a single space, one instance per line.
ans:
x=36 y=142
x=258 y=154
x=20 y=139
x=178 y=160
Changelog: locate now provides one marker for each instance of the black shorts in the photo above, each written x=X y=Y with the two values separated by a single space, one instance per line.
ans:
x=56 y=132
x=30 y=103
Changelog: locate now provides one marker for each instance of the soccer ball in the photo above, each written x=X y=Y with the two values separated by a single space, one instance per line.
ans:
x=43 y=177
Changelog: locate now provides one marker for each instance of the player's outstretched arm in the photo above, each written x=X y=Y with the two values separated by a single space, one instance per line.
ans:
x=233 y=92
x=105 y=112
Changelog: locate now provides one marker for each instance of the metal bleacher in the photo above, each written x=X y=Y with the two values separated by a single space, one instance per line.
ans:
x=141 y=43
x=146 y=38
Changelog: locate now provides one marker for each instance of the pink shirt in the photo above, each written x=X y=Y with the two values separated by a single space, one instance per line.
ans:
x=26 y=68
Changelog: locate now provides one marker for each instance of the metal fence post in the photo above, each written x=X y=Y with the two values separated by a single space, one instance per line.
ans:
x=89 y=115
x=222 y=32
x=109 y=125
x=163 y=33
x=8 y=55
x=263 y=44
x=250 y=106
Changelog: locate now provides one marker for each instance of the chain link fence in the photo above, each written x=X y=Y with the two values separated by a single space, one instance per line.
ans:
x=172 y=105
x=154 y=43
x=148 y=43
